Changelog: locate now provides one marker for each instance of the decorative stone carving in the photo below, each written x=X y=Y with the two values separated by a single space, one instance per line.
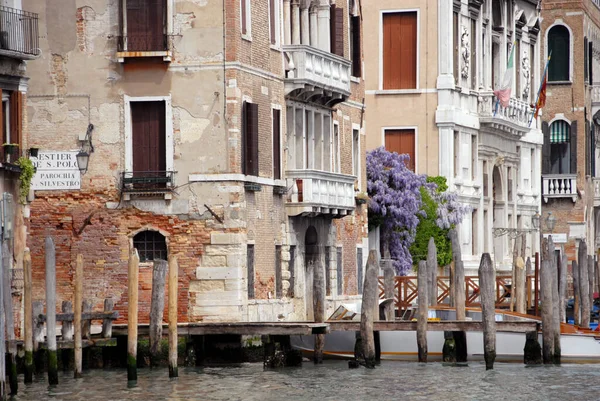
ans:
x=484 y=105
x=465 y=52
x=525 y=68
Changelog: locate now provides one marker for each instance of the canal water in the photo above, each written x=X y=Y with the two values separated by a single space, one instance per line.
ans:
x=330 y=381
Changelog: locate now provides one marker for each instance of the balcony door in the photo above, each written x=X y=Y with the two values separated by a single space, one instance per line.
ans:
x=145 y=25
x=149 y=143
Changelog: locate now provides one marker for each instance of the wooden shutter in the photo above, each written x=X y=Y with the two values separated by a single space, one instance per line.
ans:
x=336 y=21
x=546 y=166
x=590 y=62
x=272 y=20
x=356 y=47
x=574 y=147
x=244 y=17
x=250 y=128
x=276 y=144
x=402 y=141
x=400 y=50
x=145 y=25
x=16 y=117
x=148 y=136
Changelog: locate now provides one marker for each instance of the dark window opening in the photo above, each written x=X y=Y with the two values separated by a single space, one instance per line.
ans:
x=340 y=273
x=355 y=48
x=145 y=29
x=359 y=270
x=250 y=265
x=559 y=48
x=560 y=148
x=276 y=144
x=151 y=245
x=250 y=138
x=278 y=282
x=327 y=271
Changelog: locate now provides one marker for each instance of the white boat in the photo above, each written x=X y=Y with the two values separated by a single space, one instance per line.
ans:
x=576 y=346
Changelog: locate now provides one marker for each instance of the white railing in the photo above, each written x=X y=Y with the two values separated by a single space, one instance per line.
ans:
x=517 y=111
x=312 y=66
x=559 y=186
x=315 y=191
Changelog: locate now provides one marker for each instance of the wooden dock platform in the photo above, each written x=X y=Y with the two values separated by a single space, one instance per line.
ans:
x=238 y=328
x=448 y=325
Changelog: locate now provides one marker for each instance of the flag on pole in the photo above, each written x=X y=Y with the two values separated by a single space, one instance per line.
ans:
x=541 y=102
x=503 y=92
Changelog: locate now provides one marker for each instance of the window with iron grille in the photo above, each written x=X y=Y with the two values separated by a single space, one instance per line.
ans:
x=151 y=245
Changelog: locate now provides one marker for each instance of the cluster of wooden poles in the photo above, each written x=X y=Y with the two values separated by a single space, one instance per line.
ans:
x=552 y=292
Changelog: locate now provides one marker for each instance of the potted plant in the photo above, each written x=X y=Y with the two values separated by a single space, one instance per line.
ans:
x=9 y=151
x=361 y=198
x=27 y=172
x=33 y=151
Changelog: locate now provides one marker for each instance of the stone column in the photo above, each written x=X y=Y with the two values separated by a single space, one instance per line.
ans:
x=323 y=30
x=314 y=29
x=287 y=23
x=445 y=47
x=305 y=26
x=295 y=22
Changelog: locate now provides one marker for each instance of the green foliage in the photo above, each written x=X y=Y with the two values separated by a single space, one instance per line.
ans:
x=27 y=172
x=428 y=228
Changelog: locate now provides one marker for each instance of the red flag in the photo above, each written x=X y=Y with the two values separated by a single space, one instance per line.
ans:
x=541 y=98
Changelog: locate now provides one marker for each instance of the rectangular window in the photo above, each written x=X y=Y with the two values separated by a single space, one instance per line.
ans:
x=359 y=270
x=276 y=144
x=278 y=281
x=456 y=153
x=485 y=179
x=274 y=23
x=486 y=228
x=356 y=153
x=250 y=138
x=335 y=153
x=148 y=126
x=339 y=271
x=245 y=17
x=474 y=152
x=355 y=48
x=509 y=174
x=145 y=22
x=327 y=271
x=585 y=60
x=250 y=265
x=402 y=141
x=400 y=50
x=474 y=54
x=474 y=235
x=336 y=21
x=455 y=42
x=532 y=161
x=291 y=269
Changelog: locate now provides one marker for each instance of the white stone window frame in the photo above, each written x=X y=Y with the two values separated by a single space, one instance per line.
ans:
x=356 y=165
x=403 y=127
x=132 y=234
x=169 y=144
x=248 y=35
x=380 y=69
x=556 y=23
x=278 y=24
x=168 y=31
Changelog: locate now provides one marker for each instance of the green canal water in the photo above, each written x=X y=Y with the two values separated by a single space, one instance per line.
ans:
x=330 y=381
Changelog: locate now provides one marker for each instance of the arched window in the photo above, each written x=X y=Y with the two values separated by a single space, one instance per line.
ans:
x=151 y=245
x=560 y=147
x=559 y=47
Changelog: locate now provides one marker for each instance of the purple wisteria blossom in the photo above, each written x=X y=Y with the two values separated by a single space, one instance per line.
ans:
x=450 y=211
x=395 y=203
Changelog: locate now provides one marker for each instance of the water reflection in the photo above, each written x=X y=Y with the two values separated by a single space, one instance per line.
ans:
x=331 y=381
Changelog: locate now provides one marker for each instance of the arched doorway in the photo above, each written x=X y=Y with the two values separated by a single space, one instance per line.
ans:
x=311 y=256
x=499 y=214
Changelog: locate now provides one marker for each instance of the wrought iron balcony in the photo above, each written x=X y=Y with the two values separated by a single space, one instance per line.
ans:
x=317 y=192
x=559 y=186
x=513 y=118
x=147 y=182
x=316 y=75
x=18 y=34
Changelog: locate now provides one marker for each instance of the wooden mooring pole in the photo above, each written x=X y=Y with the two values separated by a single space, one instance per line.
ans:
x=173 y=281
x=487 y=281
x=77 y=316
x=132 y=315
x=555 y=300
x=319 y=307
x=562 y=285
x=157 y=306
x=576 y=293
x=423 y=300
x=460 y=337
x=584 y=288
x=369 y=309
x=591 y=280
x=389 y=275
x=547 y=299
x=51 y=310
x=28 y=318
x=432 y=268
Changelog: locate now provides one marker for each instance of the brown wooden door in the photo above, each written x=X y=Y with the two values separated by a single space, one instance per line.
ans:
x=145 y=25
x=402 y=141
x=400 y=50
x=149 y=144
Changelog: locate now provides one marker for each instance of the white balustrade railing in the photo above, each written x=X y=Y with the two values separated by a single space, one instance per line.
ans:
x=316 y=67
x=559 y=186
x=321 y=189
x=517 y=111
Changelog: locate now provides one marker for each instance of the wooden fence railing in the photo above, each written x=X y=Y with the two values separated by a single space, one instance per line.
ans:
x=406 y=292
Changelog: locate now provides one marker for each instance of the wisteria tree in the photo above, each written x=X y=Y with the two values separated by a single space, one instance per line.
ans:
x=395 y=204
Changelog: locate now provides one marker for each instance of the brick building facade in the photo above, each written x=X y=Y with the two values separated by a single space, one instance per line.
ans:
x=213 y=141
